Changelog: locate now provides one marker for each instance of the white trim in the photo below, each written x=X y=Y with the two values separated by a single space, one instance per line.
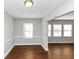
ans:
x=8 y=40
x=28 y=44
x=24 y=36
x=44 y=48
x=8 y=51
x=62 y=42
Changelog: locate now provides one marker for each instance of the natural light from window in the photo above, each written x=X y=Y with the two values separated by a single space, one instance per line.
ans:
x=49 y=30
x=57 y=30
x=67 y=30
x=28 y=30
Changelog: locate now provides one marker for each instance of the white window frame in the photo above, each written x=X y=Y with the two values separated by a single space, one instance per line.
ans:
x=59 y=30
x=24 y=31
x=66 y=30
x=49 y=30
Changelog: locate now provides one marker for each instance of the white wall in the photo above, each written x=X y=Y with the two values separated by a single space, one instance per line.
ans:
x=45 y=35
x=37 y=31
x=8 y=33
x=65 y=7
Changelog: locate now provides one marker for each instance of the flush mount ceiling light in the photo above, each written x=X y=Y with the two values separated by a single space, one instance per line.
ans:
x=28 y=3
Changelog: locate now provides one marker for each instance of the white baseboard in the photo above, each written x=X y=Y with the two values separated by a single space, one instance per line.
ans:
x=62 y=42
x=28 y=44
x=44 y=48
x=8 y=51
x=19 y=44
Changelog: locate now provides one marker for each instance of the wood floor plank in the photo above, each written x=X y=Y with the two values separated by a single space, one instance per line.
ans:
x=56 y=51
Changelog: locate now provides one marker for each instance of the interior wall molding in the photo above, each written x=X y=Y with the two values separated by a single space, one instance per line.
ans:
x=63 y=42
x=8 y=40
x=28 y=44
x=24 y=36
x=8 y=51
x=44 y=48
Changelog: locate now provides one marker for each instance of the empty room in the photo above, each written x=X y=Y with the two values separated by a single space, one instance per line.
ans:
x=38 y=29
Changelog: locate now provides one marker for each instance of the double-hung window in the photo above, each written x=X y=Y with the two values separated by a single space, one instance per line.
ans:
x=67 y=28
x=60 y=30
x=28 y=30
x=57 y=30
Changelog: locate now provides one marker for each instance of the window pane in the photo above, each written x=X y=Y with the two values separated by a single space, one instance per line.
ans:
x=28 y=34
x=57 y=27
x=67 y=33
x=28 y=30
x=49 y=30
x=49 y=33
x=68 y=27
x=28 y=27
x=57 y=34
x=49 y=27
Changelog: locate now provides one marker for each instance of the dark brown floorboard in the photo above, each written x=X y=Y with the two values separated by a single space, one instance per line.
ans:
x=56 y=51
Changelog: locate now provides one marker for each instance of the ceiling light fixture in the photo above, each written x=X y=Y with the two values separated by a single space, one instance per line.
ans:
x=28 y=3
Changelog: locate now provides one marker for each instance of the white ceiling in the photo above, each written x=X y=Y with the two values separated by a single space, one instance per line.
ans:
x=40 y=8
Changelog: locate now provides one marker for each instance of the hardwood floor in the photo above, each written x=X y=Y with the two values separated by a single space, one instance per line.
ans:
x=56 y=51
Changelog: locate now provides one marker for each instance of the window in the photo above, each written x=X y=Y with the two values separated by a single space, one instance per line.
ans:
x=28 y=30
x=57 y=30
x=49 y=30
x=67 y=30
